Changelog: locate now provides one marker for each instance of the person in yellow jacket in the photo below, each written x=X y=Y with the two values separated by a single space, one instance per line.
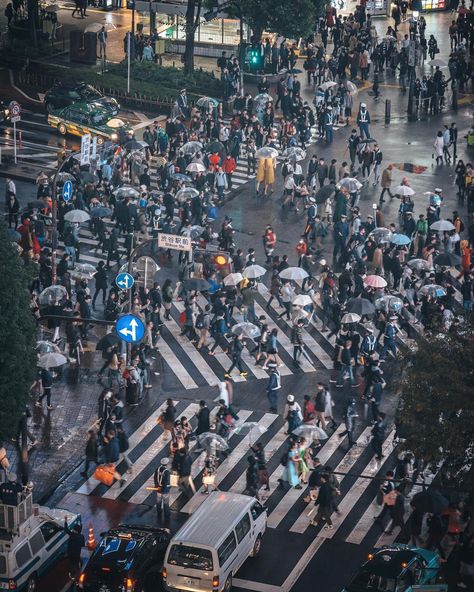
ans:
x=266 y=174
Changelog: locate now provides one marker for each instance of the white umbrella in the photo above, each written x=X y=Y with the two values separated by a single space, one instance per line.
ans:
x=53 y=294
x=442 y=225
x=437 y=62
x=351 y=87
x=191 y=147
x=350 y=317
x=126 y=191
x=233 y=279
x=266 y=152
x=327 y=85
x=403 y=190
x=52 y=360
x=246 y=329
x=302 y=300
x=186 y=193
x=77 y=216
x=308 y=430
x=196 y=167
x=252 y=428
x=254 y=271
x=293 y=273
x=351 y=184
x=96 y=27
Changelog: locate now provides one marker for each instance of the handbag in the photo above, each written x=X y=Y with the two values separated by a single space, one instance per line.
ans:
x=105 y=474
x=174 y=477
x=208 y=480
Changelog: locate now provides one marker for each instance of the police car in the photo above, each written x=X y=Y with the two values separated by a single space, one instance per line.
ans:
x=32 y=538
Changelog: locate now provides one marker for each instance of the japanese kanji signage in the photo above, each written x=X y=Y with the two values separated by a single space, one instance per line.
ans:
x=174 y=241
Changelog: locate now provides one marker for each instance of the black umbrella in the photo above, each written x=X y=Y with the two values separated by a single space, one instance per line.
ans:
x=215 y=146
x=107 y=341
x=360 y=306
x=87 y=177
x=36 y=204
x=13 y=235
x=429 y=501
x=100 y=212
x=134 y=145
x=197 y=284
x=324 y=193
x=448 y=259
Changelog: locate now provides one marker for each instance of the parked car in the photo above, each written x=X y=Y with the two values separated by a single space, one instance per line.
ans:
x=126 y=559
x=87 y=118
x=62 y=95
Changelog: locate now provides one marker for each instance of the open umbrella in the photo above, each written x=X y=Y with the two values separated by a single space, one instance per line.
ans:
x=448 y=259
x=52 y=295
x=101 y=212
x=419 y=264
x=254 y=271
x=302 y=300
x=400 y=239
x=191 y=147
x=84 y=270
x=52 y=360
x=195 y=231
x=88 y=177
x=181 y=177
x=77 y=216
x=351 y=184
x=233 y=279
x=295 y=153
x=46 y=347
x=107 y=341
x=389 y=303
x=252 y=428
x=327 y=85
x=431 y=501
x=360 y=306
x=263 y=98
x=437 y=62
x=351 y=87
x=126 y=191
x=186 y=193
x=13 y=235
x=350 y=317
x=266 y=152
x=134 y=145
x=246 y=329
x=96 y=27
x=442 y=226
x=375 y=281
x=403 y=190
x=293 y=273
x=381 y=235
x=207 y=102
x=215 y=146
x=210 y=440
x=197 y=284
x=324 y=193
x=310 y=431
x=196 y=167
x=433 y=290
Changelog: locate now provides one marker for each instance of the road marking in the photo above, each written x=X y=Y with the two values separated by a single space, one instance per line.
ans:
x=257 y=586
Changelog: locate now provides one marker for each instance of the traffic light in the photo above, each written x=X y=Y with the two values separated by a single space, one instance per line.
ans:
x=213 y=261
x=255 y=58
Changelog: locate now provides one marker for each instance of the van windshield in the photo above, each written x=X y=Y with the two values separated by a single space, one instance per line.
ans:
x=192 y=557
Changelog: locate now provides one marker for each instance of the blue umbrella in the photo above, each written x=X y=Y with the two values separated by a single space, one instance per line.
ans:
x=400 y=239
x=100 y=212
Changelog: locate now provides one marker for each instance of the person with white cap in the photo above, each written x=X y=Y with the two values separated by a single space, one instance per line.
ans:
x=363 y=120
x=292 y=413
x=162 y=486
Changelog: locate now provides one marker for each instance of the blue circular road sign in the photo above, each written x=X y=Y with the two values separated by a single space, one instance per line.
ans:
x=67 y=191
x=130 y=328
x=124 y=281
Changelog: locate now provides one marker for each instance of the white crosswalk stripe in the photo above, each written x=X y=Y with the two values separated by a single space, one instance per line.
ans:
x=286 y=509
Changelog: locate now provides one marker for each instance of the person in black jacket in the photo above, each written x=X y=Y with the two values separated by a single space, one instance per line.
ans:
x=185 y=481
x=46 y=383
x=162 y=486
x=100 y=277
x=251 y=477
x=91 y=452
x=203 y=414
x=75 y=544
x=325 y=502
x=237 y=347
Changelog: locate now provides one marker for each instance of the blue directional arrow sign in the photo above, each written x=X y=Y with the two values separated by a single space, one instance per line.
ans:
x=130 y=328
x=67 y=191
x=124 y=281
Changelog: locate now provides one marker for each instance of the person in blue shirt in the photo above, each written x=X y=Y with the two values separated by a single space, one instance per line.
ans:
x=389 y=339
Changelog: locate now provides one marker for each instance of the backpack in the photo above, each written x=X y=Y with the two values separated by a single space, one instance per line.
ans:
x=200 y=321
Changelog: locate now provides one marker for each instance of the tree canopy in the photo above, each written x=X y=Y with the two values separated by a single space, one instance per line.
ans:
x=290 y=20
x=436 y=409
x=17 y=337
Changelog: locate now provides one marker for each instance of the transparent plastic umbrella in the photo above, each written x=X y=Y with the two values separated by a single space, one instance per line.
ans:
x=233 y=279
x=126 y=191
x=96 y=27
x=442 y=226
x=351 y=184
x=351 y=87
x=181 y=177
x=327 y=85
x=419 y=264
x=302 y=300
x=438 y=62
x=46 y=347
x=252 y=428
x=196 y=167
x=254 y=271
x=84 y=270
x=381 y=235
x=403 y=190
x=191 y=147
x=389 y=303
x=266 y=152
x=350 y=317
x=433 y=290
x=310 y=431
x=207 y=102
x=295 y=153
x=52 y=295
x=247 y=330
x=52 y=360
x=293 y=273
x=209 y=440
x=186 y=193
x=263 y=98
x=77 y=216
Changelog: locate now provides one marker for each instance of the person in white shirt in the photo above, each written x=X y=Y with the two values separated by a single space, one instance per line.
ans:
x=287 y=295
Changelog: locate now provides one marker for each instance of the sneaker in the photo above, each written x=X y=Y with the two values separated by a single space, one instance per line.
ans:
x=244 y=374
x=328 y=527
x=226 y=375
x=122 y=482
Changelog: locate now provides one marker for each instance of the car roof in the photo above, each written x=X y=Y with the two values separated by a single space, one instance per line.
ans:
x=121 y=545
x=211 y=522
x=390 y=562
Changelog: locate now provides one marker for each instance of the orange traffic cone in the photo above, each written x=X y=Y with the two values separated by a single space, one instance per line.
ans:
x=91 y=542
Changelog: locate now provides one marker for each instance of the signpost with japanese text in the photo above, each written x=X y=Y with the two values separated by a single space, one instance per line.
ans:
x=174 y=241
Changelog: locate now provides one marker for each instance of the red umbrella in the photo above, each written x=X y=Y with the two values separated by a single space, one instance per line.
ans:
x=375 y=281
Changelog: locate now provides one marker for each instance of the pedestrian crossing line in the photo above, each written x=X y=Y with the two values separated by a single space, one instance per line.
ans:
x=230 y=462
x=145 y=465
x=175 y=366
x=359 y=487
x=308 y=340
x=348 y=460
x=134 y=440
x=293 y=495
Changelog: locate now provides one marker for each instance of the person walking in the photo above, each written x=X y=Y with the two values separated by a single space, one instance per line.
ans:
x=263 y=477
x=292 y=414
x=251 y=477
x=378 y=436
x=46 y=378
x=203 y=418
x=349 y=420
x=100 y=277
x=161 y=479
x=388 y=495
x=438 y=146
x=75 y=544
x=297 y=341
x=389 y=338
x=287 y=294
x=291 y=461
x=185 y=480
x=273 y=386
x=324 y=503
x=92 y=450
x=237 y=348
x=386 y=183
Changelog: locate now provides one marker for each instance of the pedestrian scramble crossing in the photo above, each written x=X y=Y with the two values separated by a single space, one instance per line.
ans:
x=360 y=476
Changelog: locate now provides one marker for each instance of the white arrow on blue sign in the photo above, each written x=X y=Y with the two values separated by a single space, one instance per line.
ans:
x=67 y=191
x=130 y=328
x=124 y=281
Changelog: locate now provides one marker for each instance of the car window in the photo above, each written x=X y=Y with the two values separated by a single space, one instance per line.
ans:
x=49 y=529
x=23 y=555
x=192 y=557
x=256 y=510
x=242 y=527
x=36 y=542
x=226 y=549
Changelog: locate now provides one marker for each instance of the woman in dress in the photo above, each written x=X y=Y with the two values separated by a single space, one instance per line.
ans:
x=290 y=474
x=304 y=453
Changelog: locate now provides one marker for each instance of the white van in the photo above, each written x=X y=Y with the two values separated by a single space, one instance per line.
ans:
x=208 y=550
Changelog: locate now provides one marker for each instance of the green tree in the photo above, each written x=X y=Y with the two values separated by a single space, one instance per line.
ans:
x=436 y=409
x=277 y=16
x=193 y=17
x=17 y=337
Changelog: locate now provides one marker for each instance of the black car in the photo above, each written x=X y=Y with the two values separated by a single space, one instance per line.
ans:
x=127 y=559
x=62 y=95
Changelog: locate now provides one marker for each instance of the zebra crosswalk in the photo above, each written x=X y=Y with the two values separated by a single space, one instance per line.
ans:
x=358 y=471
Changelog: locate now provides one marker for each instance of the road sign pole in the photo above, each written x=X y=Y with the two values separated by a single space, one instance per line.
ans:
x=129 y=57
x=14 y=140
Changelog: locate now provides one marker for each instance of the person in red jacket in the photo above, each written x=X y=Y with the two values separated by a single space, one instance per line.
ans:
x=229 y=167
x=269 y=242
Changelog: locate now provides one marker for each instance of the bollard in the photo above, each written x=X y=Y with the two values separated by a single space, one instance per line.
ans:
x=388 y=105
